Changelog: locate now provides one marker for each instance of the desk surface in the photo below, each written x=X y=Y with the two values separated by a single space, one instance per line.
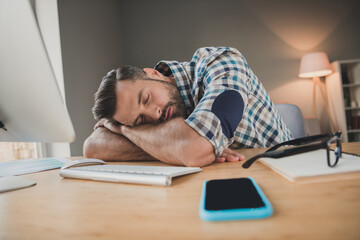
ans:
x=58 y=208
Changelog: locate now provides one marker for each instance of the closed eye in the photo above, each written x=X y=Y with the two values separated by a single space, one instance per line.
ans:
x=147 y=99
x=142 y=119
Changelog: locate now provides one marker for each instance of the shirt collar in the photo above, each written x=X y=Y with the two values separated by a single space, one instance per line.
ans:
x=182 y=74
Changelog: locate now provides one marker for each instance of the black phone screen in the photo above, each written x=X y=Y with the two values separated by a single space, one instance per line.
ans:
x=231 y=194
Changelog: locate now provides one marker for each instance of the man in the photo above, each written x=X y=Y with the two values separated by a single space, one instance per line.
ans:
x=184 y=113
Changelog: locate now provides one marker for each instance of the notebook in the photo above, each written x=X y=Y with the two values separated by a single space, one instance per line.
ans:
x=312 y=167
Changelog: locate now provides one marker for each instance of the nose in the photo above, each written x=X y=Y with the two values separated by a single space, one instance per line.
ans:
x=154 y=112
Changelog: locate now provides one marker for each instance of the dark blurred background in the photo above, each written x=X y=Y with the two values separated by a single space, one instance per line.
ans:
x=99 y=35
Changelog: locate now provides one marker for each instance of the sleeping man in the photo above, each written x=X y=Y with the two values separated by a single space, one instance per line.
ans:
x=184 y=113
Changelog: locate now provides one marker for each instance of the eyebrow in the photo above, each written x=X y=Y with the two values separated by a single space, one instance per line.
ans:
x=139 y=100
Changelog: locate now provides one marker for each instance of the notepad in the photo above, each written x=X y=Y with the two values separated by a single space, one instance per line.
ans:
x=312 y=167
x=20 y=167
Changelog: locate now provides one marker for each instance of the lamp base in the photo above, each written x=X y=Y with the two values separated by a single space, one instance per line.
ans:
x=316 y=82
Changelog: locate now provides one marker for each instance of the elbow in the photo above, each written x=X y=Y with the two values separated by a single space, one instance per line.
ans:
x=196 y=158
x=94 y=146
x=199 y=161
x=89 y=148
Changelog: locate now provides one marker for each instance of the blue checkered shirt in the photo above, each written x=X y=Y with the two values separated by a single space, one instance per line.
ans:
x=226 y=103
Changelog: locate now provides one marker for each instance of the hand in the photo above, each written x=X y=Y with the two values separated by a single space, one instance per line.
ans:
x=110 y=125
x=99 y=123
x=230 y=156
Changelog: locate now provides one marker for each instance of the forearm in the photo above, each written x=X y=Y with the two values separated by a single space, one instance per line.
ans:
x=106 y=145
x=172 y=142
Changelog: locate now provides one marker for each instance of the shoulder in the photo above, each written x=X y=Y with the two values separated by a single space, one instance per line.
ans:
x=216 y=57
x=204 y=52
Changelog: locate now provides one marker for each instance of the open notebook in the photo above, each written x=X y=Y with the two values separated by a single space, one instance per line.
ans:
x=312 y=167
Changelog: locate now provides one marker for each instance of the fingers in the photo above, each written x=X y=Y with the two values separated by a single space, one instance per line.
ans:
x=220 y=160
x=226 y=157
x=112 y=126
x=230 y=156
x=235 y=154
x=109 y=126
x=100 y=123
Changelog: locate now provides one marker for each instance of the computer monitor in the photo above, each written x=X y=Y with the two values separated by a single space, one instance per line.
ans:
x=31 y=105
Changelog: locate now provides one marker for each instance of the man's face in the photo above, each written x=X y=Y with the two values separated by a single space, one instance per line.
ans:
x=147 y=101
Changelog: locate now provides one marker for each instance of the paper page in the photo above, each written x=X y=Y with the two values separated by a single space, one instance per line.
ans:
x=19 y=167
x=311 y=164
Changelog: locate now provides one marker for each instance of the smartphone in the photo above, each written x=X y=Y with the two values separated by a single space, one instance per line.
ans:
x=232 y=199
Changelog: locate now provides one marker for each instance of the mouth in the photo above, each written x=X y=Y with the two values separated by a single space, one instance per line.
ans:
x=169 y=113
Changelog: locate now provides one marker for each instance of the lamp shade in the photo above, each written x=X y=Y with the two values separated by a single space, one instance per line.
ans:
x=314 y=65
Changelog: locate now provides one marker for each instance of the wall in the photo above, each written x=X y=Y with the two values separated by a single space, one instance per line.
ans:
x=91 y=38
x=272 y=35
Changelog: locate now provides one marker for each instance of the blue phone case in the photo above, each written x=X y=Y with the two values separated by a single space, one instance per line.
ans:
x=237 y=213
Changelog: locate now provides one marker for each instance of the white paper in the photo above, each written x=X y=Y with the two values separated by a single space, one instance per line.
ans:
x=312 y=163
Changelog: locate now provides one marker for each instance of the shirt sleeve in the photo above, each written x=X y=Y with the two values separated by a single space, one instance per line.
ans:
x=221 y=108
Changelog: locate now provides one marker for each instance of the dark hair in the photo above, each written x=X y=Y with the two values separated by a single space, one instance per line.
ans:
x=105 y=97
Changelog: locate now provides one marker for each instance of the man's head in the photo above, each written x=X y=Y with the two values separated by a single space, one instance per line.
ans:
x=134 y=96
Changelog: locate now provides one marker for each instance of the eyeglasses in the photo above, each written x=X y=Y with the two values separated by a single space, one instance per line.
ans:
x=325 y=141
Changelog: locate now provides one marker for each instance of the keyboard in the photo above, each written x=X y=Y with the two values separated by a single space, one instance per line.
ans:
x=152 y=175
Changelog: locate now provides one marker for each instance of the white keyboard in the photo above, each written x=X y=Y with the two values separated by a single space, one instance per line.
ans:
x=152 y=175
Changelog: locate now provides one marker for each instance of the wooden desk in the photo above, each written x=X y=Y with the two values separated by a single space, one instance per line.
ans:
x=58 y=208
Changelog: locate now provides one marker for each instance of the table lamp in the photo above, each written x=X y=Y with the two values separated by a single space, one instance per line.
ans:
x=316 y=65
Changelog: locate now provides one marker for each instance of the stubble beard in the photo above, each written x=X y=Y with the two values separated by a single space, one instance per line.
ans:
x=176 y=101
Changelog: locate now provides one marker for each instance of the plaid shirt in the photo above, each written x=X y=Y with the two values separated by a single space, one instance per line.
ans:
x=225 y=101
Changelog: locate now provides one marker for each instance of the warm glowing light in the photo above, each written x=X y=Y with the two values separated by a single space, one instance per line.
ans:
x=315 y=74
x=303 y=25
x=314 y=65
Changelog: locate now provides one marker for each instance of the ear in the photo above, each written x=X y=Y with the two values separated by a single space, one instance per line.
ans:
x=152 y=73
